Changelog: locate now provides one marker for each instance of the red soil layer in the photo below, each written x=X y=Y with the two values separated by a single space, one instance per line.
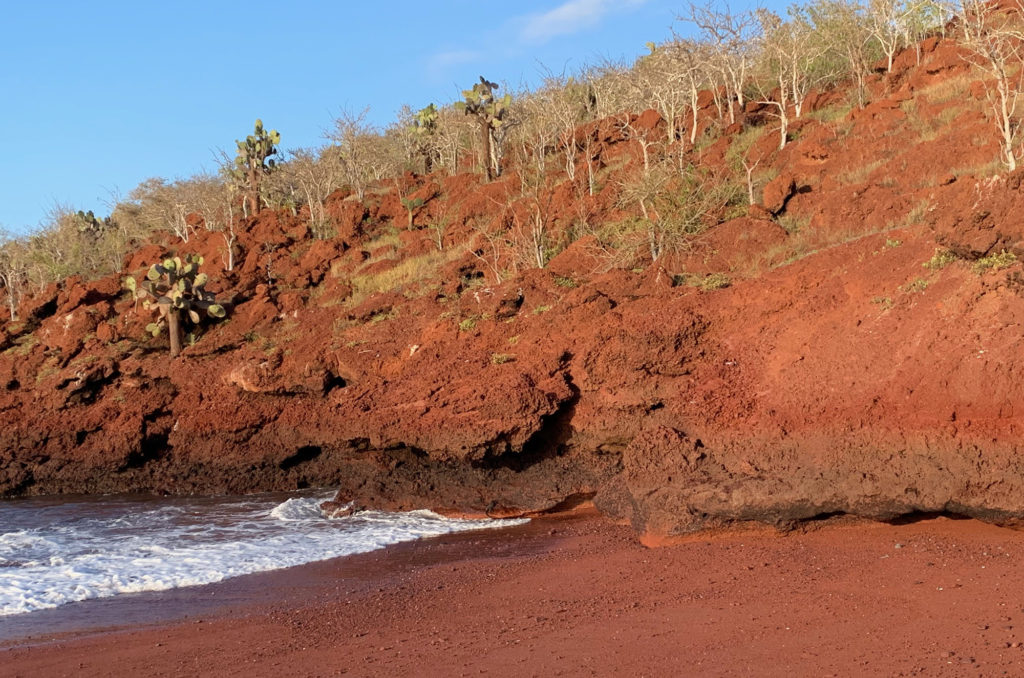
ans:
x=836 y=374
x=581 y=597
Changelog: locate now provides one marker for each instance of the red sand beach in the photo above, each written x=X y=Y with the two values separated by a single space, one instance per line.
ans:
x=576 y=595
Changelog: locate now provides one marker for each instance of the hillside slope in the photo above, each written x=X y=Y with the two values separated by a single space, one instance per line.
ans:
x=847 y=346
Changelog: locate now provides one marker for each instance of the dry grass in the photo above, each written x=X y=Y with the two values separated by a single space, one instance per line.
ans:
x=915 y=216
x=931 y=128
x=831 y=113
x=806 y=242
x=405 y=273
x=388 y=239
x=860 y=174
x=980 y=171
x=946 y=89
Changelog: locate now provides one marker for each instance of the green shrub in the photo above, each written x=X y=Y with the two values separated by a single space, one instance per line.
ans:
x=919 y=285
x=714 y=281
x=995 y=262
x=941 y=259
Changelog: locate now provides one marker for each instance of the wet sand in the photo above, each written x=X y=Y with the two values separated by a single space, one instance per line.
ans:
x=572 y=596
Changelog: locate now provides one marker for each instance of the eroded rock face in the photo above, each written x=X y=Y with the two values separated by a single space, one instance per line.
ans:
x=673 y=485
x=777 y=400
x=983 y=217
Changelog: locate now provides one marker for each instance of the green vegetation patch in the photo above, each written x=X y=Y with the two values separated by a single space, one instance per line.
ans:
x=469 y=324
x=714 y=281
x=940 y=260
x=995 y=262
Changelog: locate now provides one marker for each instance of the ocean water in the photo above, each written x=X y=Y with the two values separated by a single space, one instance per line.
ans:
x=57 y=551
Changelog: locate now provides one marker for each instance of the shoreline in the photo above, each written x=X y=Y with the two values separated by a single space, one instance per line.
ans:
x=577 y=595
x=242 y=594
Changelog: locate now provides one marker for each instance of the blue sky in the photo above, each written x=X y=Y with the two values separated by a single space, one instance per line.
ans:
x=101 y=95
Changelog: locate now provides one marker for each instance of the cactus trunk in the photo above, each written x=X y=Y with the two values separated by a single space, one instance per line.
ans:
x=485 y=141
x=254 y=191
x=174 y=331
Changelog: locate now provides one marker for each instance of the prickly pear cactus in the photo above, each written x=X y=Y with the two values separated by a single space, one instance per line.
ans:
x=482 y=102
x=490 y=112
x=423 y=128
x=258 y=147
x=253 y=161
x=424 y=121
x=175 y=289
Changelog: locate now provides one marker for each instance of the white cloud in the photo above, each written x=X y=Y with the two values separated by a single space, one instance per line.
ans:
x=438 y=65
x=442 y=60
x=569 y=17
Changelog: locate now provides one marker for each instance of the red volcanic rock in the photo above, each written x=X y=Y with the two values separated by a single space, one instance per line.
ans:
x=507 y=305
x=777 y=192
x=265 y=375
x=41 y=305
x=107 y=333
x=648 y=122
x=291 y=302
x=705 y=99
x=317 y=260
x=272 y=229
x=348 y=215
x=65 y=332
x=255 y=311
x=982 y=216
x=813 y=153
x=145 y=257
x=582 y=257
x=656 y=277
x=88 y=293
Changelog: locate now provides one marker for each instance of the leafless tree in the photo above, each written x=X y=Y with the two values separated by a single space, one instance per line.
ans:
x=316 y=173
x=789 y=66
x=452 y=138
x=214 y=200
x=993 y=36
x=924 y=18
x=731 y=36
x=845 y=28
x=609 y=83
x=13 y=271
x=690 y=60
x=354 y=139
x=439 y=221
x=661 y=82
x=531 y=237
x=674 y=205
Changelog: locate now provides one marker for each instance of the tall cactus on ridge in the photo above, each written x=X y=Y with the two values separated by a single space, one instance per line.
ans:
x=490 y=113
x=177 y=290
x=252 y=162
x=423 y=128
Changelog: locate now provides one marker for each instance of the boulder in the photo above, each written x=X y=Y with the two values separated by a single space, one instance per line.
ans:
x=777 y=193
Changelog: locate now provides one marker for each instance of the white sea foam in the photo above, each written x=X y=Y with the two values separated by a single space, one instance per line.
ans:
x=53 y=553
